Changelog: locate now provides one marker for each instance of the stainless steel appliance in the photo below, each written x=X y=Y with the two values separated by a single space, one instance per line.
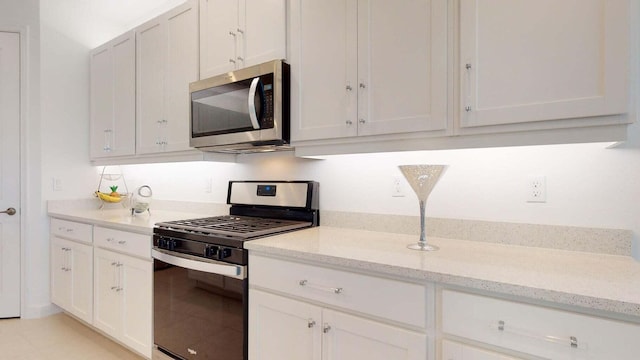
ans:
x=200 y=267
x=245 y=110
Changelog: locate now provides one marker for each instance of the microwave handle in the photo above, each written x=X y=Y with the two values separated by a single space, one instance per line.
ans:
x=252 y=106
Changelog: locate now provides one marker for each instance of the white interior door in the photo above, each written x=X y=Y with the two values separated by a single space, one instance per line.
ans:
x=9 y=175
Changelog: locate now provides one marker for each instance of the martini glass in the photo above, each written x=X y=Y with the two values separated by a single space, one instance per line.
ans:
x=422 y=178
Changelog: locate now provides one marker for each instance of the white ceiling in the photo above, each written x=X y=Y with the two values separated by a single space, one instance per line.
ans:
x=93 y=22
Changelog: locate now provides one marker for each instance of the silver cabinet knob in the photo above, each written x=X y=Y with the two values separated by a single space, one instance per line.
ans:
x=349 y=122
x=362 y=121
x=311 y=323
x=363 y=86
x=326 y=328
x=349 y=88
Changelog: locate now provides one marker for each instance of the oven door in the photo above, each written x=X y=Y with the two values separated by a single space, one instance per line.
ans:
x=200 y=307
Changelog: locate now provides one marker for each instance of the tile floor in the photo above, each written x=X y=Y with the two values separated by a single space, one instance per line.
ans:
x=56 y=337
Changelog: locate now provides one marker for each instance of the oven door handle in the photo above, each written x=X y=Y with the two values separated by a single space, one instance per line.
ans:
x=207 y=266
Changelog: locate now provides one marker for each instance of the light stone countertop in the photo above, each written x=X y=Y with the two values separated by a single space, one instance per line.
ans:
x=609 y=283
x=120 y=218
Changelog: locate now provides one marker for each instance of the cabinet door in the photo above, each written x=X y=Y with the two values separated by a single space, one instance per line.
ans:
x=136 y=277
x=264 y=31
x=107 y=304
x=167 y=62
x=456 y=351
x=181 y=69
x=81 y=292
x=218 y=33
x=402 y=66
x=60 y=276
x=151 y=42
x=525 y=61
x=112 y=119
x=348 y=337
x=324 y=84
x=281 y=328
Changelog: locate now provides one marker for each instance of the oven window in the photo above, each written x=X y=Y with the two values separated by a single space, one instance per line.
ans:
x=198 y=315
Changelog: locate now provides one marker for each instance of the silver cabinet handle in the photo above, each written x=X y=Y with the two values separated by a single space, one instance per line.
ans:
x=325 y=328
x=232 y=33
x=232 y=61
x=362 y=86
x=573 y=341
x=349 y=122
x=10 y=211
x=108 y=134
x=240 y=31
x=122 y=242
x=335 y=290
x=468 y=68
x=349 y=88
x=362 y=121
x=240 y=58
x=311 y=323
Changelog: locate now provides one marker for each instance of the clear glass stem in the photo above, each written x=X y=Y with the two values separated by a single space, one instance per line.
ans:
x=423 y=235
x=422 y=243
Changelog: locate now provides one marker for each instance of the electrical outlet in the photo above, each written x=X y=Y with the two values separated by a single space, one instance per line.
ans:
x=57 y=184
x=208 y=185
x=397 y=187
x=537 y=189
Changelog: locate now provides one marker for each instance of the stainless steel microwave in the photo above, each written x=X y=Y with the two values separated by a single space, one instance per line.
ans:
x=246 y=110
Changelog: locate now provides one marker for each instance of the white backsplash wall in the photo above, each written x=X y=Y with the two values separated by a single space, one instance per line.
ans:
x=587 y=184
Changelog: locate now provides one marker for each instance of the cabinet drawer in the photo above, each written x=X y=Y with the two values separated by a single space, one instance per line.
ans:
x=71 y=230
x=385 y=298
x=123 y=241
x=537 y=330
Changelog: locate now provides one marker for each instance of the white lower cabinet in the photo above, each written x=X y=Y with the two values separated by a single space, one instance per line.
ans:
x=283 y=328
x=123 y=299
x=531 y=330
x=72 y=277
x=302 y=311
x=452 y=350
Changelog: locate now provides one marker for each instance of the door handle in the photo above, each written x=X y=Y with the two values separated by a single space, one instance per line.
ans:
x=9 y=211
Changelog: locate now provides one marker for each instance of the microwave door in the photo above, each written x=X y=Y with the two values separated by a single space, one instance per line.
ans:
x=235 y=107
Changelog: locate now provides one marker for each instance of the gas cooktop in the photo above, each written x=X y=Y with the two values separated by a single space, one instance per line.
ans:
x=243 y=227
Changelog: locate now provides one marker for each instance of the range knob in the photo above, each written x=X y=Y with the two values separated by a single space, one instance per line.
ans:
x=163 y=243
x=223 y=253
x=211 y=251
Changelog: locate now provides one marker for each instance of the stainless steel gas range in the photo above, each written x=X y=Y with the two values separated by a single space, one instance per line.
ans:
x=200 y=267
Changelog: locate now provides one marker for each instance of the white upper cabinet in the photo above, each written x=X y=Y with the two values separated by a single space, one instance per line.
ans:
x=531 y=61
x=402 y=66
x=239 y=33
x=367 y=67
x=113 y=86
x=167 y=61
